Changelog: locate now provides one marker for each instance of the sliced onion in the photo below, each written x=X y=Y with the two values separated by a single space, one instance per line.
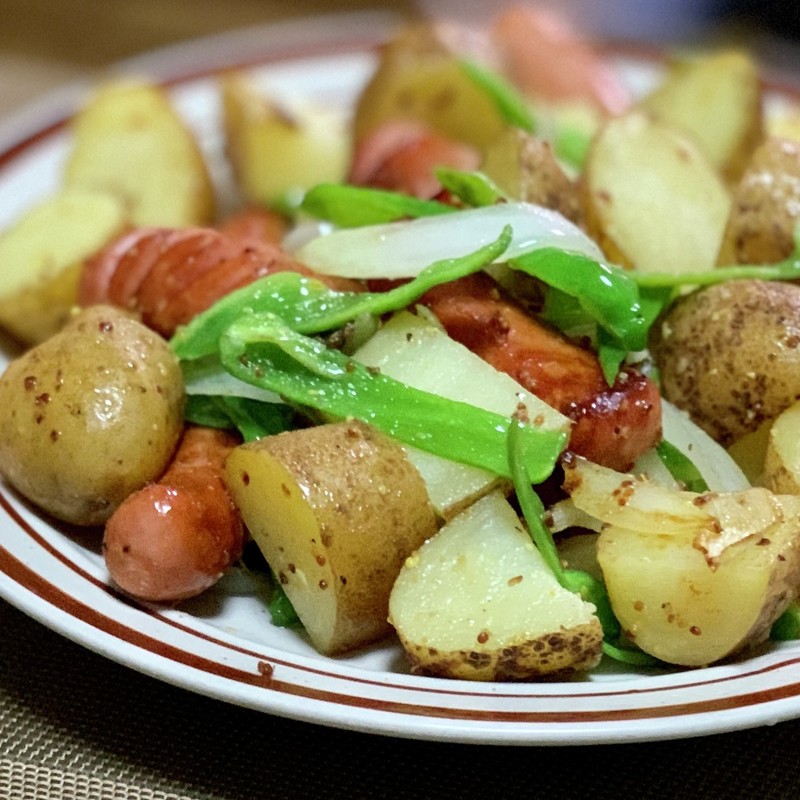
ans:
x=404 y=249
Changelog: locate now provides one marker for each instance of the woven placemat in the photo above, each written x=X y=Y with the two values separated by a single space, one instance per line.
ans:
x=75 y=726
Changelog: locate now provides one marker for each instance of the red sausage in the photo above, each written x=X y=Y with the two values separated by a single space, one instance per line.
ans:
x=613 y=425
x=174 y=539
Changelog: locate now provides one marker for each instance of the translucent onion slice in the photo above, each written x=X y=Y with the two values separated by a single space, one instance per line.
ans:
x=404 y=249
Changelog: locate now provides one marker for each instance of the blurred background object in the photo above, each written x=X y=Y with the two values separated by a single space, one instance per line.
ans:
x=44 y=43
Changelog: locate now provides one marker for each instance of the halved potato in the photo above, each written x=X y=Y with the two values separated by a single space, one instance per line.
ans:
x=652 y=199
x=417 y=351
x=478 y=602
x=420 y=77
x=41 y=256
x=692 y=578
x=335 y=509
x=716 y=98
x=766 y=206
x=129 y=140
x=275 y=148
x=526 y=168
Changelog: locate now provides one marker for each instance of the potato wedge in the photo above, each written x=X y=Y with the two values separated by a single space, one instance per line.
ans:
x=90 y=415
x=526 y=168
x=418 y=352
x=41 y=256
x=652 y=199
x=275 y=149
x=130 y=141
x=717 y=100
x=766 y=206
x=478 y=602
x=420 y=77
x=692 y=578
x=335 y=509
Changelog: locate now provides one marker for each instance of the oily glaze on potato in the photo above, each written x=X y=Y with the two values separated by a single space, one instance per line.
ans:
x=90 y=415
x=478 y=602
x=692 y=578
x=652 y=199
x=730 y=355
x=335 y=509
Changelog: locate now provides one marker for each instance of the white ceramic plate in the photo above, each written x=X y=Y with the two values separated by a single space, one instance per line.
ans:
x=224 y=645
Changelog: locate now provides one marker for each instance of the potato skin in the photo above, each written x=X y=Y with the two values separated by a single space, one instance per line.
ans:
x=335 y=509
x=729 y=355
x=90 y=415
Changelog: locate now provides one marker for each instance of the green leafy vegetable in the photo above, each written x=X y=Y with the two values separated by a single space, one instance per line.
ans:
x=681 y=468
x=787 y=626
x=577 y=581
x=471 y=188
x=509 y=102
x=252 y=418
x=261 y=350
x=353 y=206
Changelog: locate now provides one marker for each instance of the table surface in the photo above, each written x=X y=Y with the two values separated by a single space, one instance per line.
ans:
x=75 y=725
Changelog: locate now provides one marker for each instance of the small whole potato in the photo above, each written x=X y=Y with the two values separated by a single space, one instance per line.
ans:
x=729 y=355
x=90 y=415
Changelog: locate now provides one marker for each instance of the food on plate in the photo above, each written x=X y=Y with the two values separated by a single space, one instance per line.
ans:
x=478 y=602
x=496 y=363
x=175 y=538
x=129 y=140
x=42 y=255
x=765 y=207
x=90 y=415
x=526 y=168
x=276 y=148
x=717 y=99
x=613 y=425
x=728 y=354
x=692 y=578
x=336 y=509
x=652 y=199
x=169 y=275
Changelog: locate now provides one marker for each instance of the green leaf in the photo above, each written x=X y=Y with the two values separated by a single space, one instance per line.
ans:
x=512 y=106
x=787 y=626
x=681 y=468
x=353 y=206
x=588 y=587
x=471 y=188
x=261 y=350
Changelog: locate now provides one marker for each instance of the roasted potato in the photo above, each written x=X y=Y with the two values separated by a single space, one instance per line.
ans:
x=41 y=256
x=420 y=77
x=729 y=354
x=478 y=602
x=129 y=140
x=335 y=509
x=766 y=206
x=692 y=578
x=275 y=148
x=526 y=168
x=90 y=415
x=418 y=352
x=717 y=99
x=652 y=199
